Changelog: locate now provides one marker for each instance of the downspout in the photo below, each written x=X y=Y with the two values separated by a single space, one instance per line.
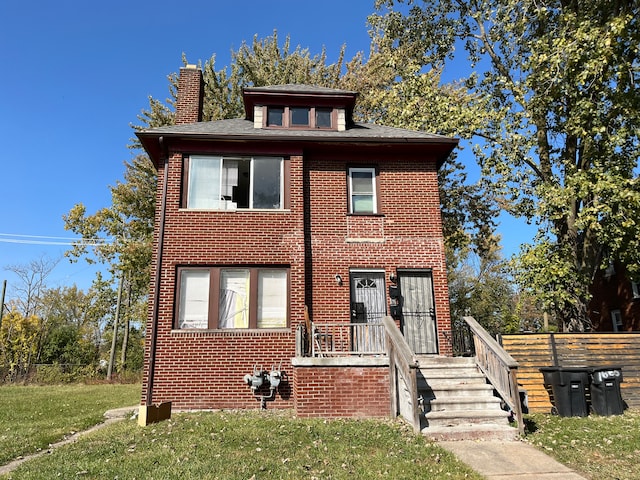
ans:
x=156 y=298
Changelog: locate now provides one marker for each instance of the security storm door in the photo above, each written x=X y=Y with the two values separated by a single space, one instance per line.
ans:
x=368 y=307
x=418 y=310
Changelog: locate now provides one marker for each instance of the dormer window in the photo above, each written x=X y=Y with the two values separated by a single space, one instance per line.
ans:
x=275 y=117
x=300 y=117
x=323 y=117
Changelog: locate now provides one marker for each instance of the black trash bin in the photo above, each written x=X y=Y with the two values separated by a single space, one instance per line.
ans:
x=569 y=387
x=605 y=391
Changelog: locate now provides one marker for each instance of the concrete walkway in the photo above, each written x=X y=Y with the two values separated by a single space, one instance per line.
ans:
x=110 y=416
x=500 y=460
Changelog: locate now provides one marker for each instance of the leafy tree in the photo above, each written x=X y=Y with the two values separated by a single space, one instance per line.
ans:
x=18 y=344
x=480 y=286
x=69 y=332
x=560 y=80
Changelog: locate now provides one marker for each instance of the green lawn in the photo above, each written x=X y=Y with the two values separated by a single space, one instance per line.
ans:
x=269 y=444
x=32 y=417
x=602 y=448
x=225 y=445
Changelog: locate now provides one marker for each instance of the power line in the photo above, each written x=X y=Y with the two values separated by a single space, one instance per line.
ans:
x=50 y=240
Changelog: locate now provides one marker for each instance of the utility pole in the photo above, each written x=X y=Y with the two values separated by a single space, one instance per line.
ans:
x=125 y=338
x=112 y=357
x=4 y=289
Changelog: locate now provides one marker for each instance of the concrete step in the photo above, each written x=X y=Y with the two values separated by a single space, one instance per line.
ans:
x=429 y=360
x=463 y=403
x=456 y=390
x=447 y=418
x=446 y=376
x=471 y=431
x=458 y=402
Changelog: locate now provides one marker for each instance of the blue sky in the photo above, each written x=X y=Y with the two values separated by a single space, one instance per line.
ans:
x=77 y=73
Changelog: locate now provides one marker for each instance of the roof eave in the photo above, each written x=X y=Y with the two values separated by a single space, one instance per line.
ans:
x=151 y=141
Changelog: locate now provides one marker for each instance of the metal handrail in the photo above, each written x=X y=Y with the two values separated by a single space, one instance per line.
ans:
x=499 y=367
x=340 y=339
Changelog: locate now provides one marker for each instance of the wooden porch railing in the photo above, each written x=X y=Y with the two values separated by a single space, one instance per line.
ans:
x=499 y=367
x=403 y=367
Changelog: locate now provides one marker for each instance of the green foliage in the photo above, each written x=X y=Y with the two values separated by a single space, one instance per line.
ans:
x=56 y=374
x=561 y=143
x=480 y=286
x=18 y=345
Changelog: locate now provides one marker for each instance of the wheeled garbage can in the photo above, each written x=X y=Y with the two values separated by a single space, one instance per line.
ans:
x=569 y=386
x=606 y=398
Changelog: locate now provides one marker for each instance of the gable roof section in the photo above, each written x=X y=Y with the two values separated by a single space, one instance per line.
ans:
x=243 y=130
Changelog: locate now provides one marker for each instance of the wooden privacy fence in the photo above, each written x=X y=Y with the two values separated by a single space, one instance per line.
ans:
x=533 y=351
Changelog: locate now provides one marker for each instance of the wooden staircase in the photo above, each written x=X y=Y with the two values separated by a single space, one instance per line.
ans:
x=458 y=403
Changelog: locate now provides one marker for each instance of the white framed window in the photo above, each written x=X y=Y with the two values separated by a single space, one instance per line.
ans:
x=194 y=299
x=362 y=190
x=635 y=290
x=232 y=298
x=229 y=183
x=616 y=320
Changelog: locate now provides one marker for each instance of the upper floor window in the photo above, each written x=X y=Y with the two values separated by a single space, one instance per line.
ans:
x=362 y=190
x=224 y=183
x=324 y=117
x=635 y=290
x=221 y=298
x=275 y=116
x=300 y=117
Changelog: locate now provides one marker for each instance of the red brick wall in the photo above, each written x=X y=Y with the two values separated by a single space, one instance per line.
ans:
x=189 y=102
x=342 y=391
x=206 y=369
x=406 y=234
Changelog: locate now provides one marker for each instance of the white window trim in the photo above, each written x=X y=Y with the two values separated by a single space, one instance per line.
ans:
x=635 y=290
x=371 y=170
x=251 y=159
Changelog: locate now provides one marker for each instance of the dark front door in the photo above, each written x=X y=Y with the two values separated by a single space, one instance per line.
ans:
x=418 y=310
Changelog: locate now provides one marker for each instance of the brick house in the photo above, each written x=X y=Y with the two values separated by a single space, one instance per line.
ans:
x=294 y=214
x=615 y=302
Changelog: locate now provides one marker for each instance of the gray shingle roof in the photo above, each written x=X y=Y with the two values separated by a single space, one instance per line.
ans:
x=245 y=128
x=299 y=88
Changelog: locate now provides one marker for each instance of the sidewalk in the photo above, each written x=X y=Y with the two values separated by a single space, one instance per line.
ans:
x=499 y=460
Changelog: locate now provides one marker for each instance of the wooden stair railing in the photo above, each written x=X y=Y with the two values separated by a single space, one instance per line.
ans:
x=403 y=366
x=499 y=367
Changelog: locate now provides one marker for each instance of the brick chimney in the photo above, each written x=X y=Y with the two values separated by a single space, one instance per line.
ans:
x=189 y=103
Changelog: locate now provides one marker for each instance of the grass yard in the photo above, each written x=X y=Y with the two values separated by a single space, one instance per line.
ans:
x=249 y=445
x=32 y=417
x=602 y=448
x=225 y=445
x=269 y=444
